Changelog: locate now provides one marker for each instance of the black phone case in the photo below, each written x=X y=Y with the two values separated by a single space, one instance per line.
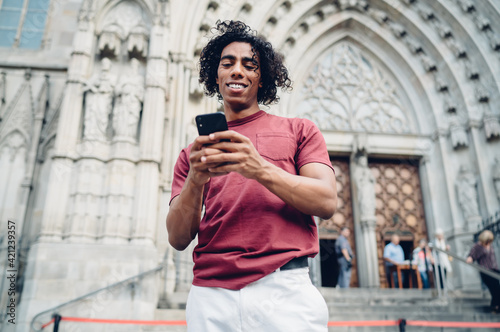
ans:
x=211 y=123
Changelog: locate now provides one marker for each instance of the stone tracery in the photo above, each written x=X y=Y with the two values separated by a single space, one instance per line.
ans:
x=347 y=90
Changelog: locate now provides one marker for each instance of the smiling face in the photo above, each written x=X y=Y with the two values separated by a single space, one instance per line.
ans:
x=239 y=79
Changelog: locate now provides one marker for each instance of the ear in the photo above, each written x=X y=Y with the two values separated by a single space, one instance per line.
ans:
x=260 y=84
x=217 y=80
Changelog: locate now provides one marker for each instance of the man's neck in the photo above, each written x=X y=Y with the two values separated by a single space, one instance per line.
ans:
x=235 y=114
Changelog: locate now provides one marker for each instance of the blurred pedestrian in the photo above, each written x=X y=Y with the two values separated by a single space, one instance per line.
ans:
x=393 y=255
x=482 y=253
x=442 y=264
x=422 y=257
x=344 y=257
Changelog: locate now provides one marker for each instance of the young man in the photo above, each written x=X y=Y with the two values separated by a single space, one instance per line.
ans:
x=259 y=190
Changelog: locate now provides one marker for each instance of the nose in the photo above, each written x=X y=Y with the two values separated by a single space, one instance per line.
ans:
x=237 y=70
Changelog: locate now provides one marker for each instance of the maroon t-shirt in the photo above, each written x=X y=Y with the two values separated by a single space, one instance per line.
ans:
x=248 y=232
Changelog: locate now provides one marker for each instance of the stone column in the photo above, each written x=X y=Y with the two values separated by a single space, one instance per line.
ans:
x=27 y=184
x=364 y=220
x=148 y=175
x=369 y=240
x=496 y=176
x=119 y=202
x=487 y=193
x=58 y=192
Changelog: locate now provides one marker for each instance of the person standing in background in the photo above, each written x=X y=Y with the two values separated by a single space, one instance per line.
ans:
x=423 y=259
x=442 y=264
x=482 y=252
x=393 y=255
x=344 y=257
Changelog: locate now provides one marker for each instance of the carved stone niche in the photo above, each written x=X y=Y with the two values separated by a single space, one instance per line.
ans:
x=137 y=44
x=127 y=21
x=110 y=41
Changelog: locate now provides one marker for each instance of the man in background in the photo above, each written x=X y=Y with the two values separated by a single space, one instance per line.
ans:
x=393 y=255
x=344 y=257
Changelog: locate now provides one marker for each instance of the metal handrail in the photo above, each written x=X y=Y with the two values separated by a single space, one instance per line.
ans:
x=474 y=265
x=116 y=284
x=492 y=224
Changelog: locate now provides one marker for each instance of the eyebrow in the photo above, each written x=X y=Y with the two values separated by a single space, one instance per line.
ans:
x=232 y=57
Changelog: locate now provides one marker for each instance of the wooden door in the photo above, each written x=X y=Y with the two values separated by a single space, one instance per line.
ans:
x=399 y=206
x=330 y=229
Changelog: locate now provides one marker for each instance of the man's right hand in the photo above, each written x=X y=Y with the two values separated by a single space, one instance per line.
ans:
x=198 y=170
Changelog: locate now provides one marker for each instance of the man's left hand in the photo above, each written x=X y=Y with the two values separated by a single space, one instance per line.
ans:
x=240 y=155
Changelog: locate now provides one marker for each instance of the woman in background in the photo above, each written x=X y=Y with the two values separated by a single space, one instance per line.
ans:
x=443 y=265
x=482 y=253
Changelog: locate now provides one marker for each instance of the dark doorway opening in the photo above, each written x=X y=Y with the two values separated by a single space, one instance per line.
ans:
x=408 y=251
x=329 y=264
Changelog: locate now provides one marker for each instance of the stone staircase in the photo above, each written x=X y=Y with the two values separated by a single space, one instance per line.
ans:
x=358 y=304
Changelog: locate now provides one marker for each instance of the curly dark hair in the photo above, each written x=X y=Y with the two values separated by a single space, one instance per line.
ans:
x=273 y=72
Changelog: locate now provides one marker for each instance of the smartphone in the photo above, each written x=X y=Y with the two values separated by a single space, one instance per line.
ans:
x=211 y=123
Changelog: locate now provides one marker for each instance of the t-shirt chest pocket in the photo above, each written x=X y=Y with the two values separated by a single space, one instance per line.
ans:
x=276 y=146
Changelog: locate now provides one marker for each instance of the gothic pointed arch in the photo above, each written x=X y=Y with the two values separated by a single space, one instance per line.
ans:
x=13 y=154
x=422 y=37
x=424 y=104
x=19 y=115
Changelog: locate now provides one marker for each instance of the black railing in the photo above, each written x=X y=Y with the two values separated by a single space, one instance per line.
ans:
x=491 y=224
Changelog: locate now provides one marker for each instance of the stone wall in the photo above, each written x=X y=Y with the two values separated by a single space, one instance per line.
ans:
x=93 y=122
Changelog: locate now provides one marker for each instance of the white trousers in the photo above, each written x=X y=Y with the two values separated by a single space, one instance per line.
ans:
x=282 y=301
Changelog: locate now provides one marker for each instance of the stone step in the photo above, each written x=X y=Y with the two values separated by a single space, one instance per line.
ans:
x=357 y=304
x=358 y=315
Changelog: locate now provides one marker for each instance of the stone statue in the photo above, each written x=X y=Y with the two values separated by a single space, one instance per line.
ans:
x=98 y=104
x=496 y=176
x=130 y=96
x=467 y=193
x=365 y=185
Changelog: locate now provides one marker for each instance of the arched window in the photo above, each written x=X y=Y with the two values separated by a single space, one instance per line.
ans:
x=22 y=23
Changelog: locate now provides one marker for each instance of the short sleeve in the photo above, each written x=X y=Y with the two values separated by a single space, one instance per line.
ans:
x=344 y=244
x=387 y=252
x=475 y=252
x=311 y=146
x=181 y=170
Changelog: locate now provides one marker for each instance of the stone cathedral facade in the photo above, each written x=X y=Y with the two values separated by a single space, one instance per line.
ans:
x=97 y=98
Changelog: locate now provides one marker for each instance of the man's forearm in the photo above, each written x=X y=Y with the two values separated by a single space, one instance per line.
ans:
x=183 y=219
x=390 y=261
x=346 y=254
x=309 y=195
